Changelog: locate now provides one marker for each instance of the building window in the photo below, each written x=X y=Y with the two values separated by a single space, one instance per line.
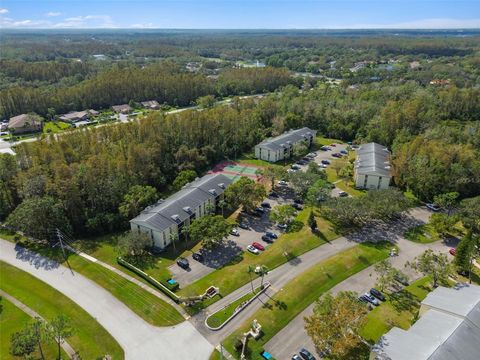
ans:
x=365 y=181
x=379 y=182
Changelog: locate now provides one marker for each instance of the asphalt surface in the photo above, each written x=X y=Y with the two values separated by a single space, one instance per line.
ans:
x=294 y=337
x=138 y=339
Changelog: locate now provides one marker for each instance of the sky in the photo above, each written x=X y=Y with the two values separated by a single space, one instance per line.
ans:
x=240 y=14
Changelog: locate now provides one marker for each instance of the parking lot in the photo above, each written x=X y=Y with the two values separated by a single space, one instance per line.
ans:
x=234 y=245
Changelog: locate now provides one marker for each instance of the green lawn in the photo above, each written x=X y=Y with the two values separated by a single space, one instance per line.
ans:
x=152 y=309
x=218 y=318
x=215 y=355
x=90 y=338
x=422 y=234
x=399 y=310
x=12 y=320
x=53 y=127
x=234 y=275
x=323 y=141
x=302 y=291
x=343 y=184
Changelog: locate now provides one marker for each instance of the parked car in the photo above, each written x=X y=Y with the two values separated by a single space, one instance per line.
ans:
x=291 y=171
x=324 y=148
x=433 y=207
x=234 y=232
x=453 y=251
x=260 y=210
x=342 y=194
x=311 y=155
x=305 y=354
x=306 y=158
x=244 y=226
x=273 y=194
x=326 y=162
x=198 y=257
x=253 y=249
x=337 y=155
x=295 y=167
x=183 y=263
x=402 y=279
x=344 y=152
x=271 y=235
x=378 y=294
x=267 y=239
x=301 y=162
x=297 y=206
x=296 y=357
x=372 y=300
x=333 y=145
x=258 y=246
x=282 y=226
x=282 y=183
x=265 y=205
x=323 y=166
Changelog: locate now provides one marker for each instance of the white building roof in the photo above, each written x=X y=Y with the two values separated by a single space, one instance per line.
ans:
x=449 y=330
x=373 y=159
x=288 y=138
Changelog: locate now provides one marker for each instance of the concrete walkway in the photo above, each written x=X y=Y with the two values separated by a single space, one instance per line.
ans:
x=65 y=345
x=293 y=337
x=138 y=339
x=144 y=286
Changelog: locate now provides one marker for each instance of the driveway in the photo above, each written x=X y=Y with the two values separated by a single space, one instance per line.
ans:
x=138 y=339
x=293 y=337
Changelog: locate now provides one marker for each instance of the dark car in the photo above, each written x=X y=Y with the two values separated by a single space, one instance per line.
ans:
x=298 y=201
x=326 y=162
x=198 y=257
x=301 y=162
x=273 y=194
x=243 y=226
x=271 y=234
x=378 y=294
x=267 y=239
x=342 y=194
x=337 y=155
x=265 y=205
x=306 y=158
x=307 y=355
x=297 y=206
x=183 y=263
x=260 y=210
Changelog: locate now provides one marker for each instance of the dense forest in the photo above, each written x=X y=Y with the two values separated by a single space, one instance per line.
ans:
x=434 y=134
x=81 y=178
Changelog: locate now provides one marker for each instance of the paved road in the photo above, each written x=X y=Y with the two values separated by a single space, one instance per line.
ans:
x=138 y=339
x=293 y=337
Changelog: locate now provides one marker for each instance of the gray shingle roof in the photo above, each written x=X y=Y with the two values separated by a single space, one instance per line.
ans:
x=373 y=159
x=174 y=209
x=292 y=136
x=449 y=330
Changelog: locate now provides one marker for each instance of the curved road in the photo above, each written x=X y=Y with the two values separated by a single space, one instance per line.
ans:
x=138 y=339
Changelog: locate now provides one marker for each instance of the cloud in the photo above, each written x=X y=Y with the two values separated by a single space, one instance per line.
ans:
x=88 y=21
x=53 y=13
x=3 y=11
x=144 y=26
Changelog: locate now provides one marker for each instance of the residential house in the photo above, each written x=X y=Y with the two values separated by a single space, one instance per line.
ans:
x=75 y=116
x=281 y=147
x=122 y=109
x=372 y=168
x=166 y=219
x=151 y=104
x=448 y=329
x=25 y=123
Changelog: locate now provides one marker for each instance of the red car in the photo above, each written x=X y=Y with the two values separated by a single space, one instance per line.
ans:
x=453 y=251
x=334 y=145
x=258 y=246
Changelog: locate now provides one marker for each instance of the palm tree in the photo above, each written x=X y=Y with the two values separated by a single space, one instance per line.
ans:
x=251 y=270
x=262 y=272
x=222 y=204
x=185 y=232
x=173 y=237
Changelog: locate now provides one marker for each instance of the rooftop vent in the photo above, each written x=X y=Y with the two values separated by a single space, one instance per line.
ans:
x=213 y=192
x=221 y=186
x=175 y=218
x=188 y=209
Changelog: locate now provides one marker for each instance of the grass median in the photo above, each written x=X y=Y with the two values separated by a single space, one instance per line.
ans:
x=302 y=291
x=90 y=338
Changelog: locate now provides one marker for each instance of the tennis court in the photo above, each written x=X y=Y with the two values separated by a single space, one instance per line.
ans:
x=235 y=170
